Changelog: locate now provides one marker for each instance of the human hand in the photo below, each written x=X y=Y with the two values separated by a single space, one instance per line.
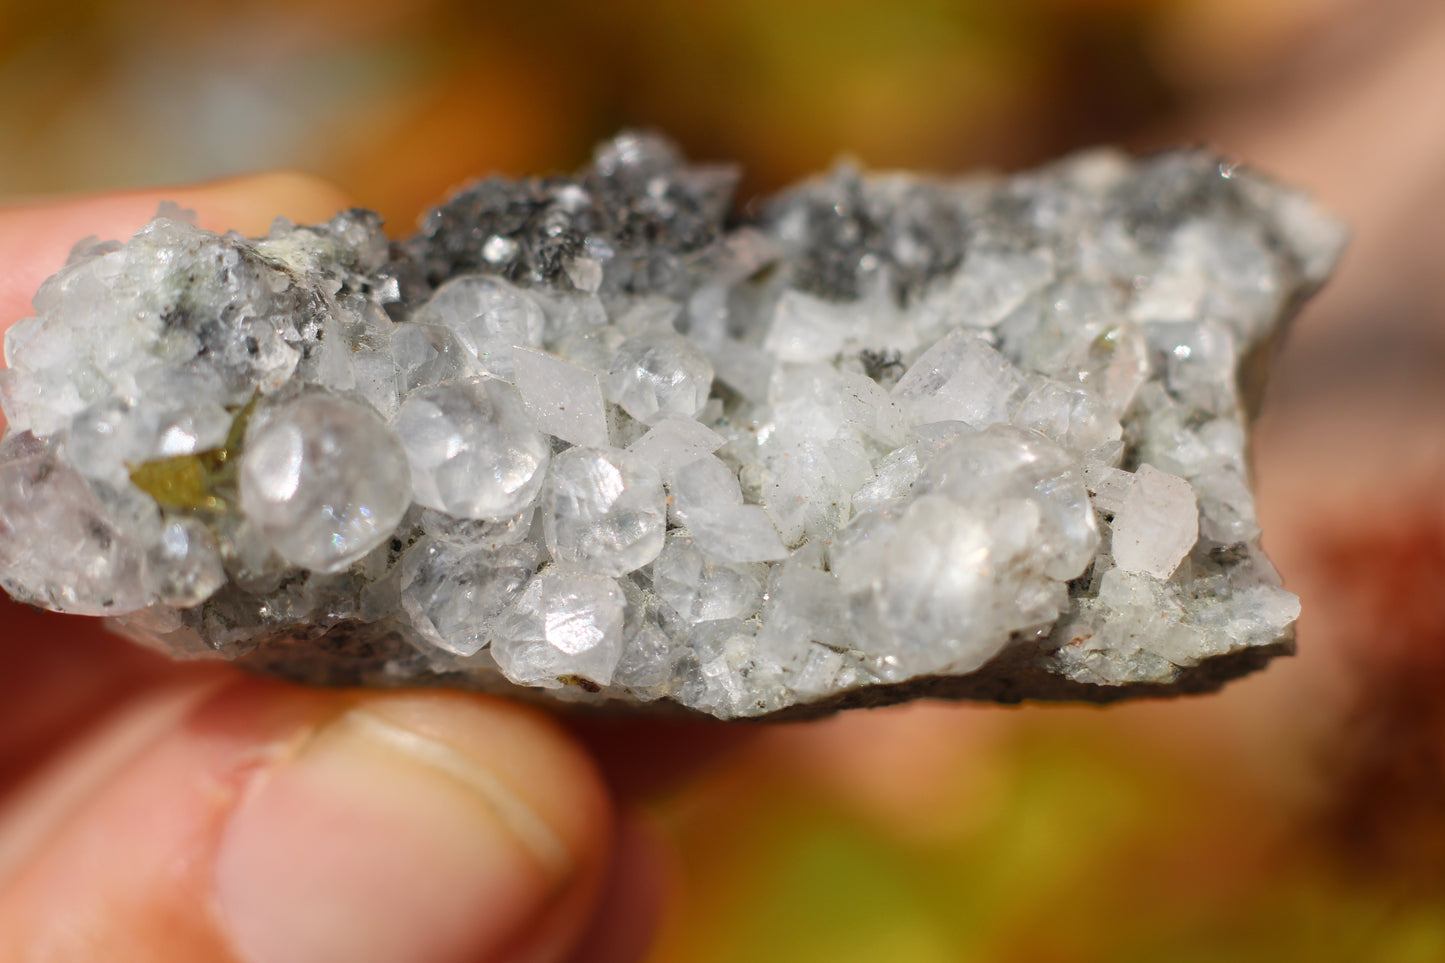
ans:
x=152 y=811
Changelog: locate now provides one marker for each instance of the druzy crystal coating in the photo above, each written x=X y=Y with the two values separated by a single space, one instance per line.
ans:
x=598 y=438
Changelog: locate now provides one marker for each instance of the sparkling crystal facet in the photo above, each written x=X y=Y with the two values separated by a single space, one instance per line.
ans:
x=564 y=628
x=472 y=449
x=603 y=510
x=325 y=480
x=659 y=375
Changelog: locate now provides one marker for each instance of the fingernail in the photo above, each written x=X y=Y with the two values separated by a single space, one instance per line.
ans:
x=377 y=842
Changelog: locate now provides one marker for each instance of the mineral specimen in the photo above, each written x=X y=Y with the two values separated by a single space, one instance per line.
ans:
x=601 y=439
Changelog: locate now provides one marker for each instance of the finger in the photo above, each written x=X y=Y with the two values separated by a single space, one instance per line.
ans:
x=37 y=235
x=625 y=920
x=282 y=825
x=61 y=675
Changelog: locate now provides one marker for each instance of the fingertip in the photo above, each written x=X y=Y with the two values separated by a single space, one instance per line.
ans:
x=436 y=826
x=249 y=203
x=301 y=825
x=525 y=749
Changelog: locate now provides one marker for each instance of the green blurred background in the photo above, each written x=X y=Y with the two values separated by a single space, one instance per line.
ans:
x=1298 y=816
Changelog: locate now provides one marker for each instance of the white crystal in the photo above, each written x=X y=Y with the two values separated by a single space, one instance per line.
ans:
x=1212 y=270
x=1134 y=630
x=737 y=533
x=585 y=273
x=325 y=481
x=564 y=626
x=354 y=354
x=807 y=329
x=744 y=368
x=645 y=669
x=674 y=442
x=701 y=589
x=604 y=510
x=993 y=283
x=184 y=565
x=648 y=317
x=1071 y=415
x=725 y=671
x=702 y=483
x=1157 y=525
x=499 y=249
x=591 y=347
x=998 y=470
x=472 y=449
x=456 y=592
x=820 y=403
x=922 y=581
x=998 y=526
x=1109 y=486
x=564 y=399
x=892 y=480
x=428 y=354
x=659 y=375
x=1198 y=363
x=59 y=544
x=806 y=612
x=961 y=378
x=489 y=316
x=709 y=501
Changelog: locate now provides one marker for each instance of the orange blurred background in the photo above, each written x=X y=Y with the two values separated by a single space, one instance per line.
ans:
x=1300 y=815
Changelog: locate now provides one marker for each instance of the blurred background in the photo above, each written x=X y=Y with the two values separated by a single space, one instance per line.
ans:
x=1300 y=815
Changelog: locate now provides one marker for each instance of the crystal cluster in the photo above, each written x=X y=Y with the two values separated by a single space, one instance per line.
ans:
x=600 y=438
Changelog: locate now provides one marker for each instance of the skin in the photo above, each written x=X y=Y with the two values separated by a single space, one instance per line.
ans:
x=155 y=811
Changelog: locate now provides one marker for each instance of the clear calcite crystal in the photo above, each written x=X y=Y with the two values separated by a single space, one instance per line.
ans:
x=597 y=438
x=472 y=449
x=323 y=479
x=604 y=511
x=659 y=375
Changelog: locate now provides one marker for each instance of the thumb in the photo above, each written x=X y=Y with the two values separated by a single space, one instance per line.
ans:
x=272 y=824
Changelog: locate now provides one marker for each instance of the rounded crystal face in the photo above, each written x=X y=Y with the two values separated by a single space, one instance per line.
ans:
x=489 y=317
x=472 y=449
x=324 y=480
x=997 y=526
x=604 y=510
x=185 y=563
x=564 y=625
x=659 y=375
